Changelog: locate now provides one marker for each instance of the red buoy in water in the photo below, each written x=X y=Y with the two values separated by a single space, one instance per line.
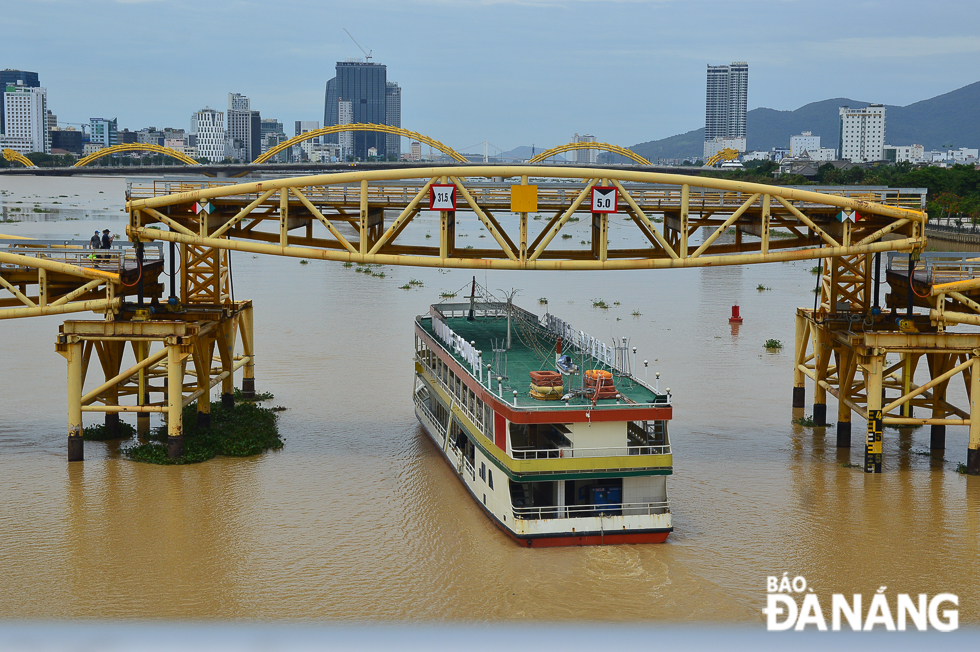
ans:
x=735 y=318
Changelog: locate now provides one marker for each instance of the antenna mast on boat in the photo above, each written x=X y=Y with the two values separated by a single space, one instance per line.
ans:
x=510 y=310
x=472 y=300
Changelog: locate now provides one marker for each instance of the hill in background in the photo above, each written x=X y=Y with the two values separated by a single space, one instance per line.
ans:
x=949 y=119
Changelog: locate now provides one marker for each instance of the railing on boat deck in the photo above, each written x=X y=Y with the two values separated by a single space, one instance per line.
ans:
x=580 y=511
x=571 y=452
x=440 y=428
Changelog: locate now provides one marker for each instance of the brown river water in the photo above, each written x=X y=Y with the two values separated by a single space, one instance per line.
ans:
x=358 y=518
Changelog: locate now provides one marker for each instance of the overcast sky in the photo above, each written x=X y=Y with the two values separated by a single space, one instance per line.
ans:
x=512 y=72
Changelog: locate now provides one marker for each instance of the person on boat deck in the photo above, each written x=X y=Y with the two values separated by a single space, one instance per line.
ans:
x=106 y=239
x=95 y=242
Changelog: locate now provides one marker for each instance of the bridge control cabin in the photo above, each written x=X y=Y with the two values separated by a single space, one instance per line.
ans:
x=576 y=462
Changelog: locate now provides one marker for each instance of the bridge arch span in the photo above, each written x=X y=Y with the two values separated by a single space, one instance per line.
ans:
x=136 y=147
x=386 y=129
x=14 y=155
x=615 y=149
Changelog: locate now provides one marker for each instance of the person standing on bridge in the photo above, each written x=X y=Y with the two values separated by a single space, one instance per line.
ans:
x=95 y=242
x=106 y=243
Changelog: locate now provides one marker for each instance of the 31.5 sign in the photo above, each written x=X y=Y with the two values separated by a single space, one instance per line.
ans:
x=604 y=199
x=442 y=197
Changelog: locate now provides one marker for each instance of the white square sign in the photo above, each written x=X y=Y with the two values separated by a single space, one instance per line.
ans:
x=604 y=199
x=442 y=197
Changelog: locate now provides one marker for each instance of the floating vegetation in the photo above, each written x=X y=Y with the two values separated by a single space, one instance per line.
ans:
x=805 y=421
x=573 y=219
x=447 y=295
x=348 y=264
x=417 y=282
x=773 y=344
x=100 y=432
x=566 y=236
x=304 y=262
x=543 y=301
x=583 y=242
x=636 y=313
x=246 y=430
x=961 y=468
x=378 y=274
x=615 y=303
x=482 y=235
x=761 y=288
x=428 y=235
x=815 y=270
x=405 y=287
x=848 y=465
x=599 y=303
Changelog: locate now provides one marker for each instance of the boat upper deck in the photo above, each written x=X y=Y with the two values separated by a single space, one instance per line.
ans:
x=533 y=347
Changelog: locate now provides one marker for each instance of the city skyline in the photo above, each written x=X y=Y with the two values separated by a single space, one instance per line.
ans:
x=512 y=87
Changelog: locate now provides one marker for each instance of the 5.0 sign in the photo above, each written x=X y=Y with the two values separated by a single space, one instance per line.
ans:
x=442 y=197
x=604 y=199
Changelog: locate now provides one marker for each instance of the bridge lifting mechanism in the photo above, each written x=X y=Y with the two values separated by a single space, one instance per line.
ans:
x=382 y=216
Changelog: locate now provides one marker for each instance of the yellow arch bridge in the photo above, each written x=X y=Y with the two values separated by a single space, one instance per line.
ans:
x=135 y=147
x=845 y=346
x=385 y=129
x=570 y=147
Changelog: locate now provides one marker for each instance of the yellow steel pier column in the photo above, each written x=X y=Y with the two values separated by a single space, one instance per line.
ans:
x=142 y=351
x=76 y=445
x=523 y=241
x=821 y=354
x=685 y=201
x=939 y=363
x=364 y=217
x=175 y=379
x=846 y=369
x=973 y=450
x=872 y=448
x=248 y=349
x=799 y=378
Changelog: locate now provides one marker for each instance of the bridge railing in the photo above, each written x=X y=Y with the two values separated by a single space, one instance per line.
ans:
x=79 y=253
x=938 y=267
x=549 y=194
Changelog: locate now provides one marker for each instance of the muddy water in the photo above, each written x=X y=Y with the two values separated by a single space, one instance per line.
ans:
x=358 y=518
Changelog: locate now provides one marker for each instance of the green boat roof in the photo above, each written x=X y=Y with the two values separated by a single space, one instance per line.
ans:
x=532 y=349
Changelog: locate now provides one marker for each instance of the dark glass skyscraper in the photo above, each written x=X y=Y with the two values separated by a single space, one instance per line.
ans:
x=364 y=84
x=12 y=77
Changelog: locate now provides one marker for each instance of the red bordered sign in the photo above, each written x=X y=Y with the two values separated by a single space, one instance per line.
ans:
x=442 y=197
x=604 y=199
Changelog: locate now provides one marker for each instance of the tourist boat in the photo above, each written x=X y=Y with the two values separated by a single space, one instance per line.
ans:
x=549 y=429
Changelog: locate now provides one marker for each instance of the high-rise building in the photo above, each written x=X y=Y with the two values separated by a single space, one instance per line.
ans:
x=102 y=132
x=25 y=111
x=10 y=77
x=393 y=118
x=365 y=84
x=208 y=134
x=805 y=142
x=306 y=126
x=862 y=133
x=272 y=135
x=416 y=151
x=345 y=116
x=585 y=155
x=726 y=107
x=330 y=117
x=244 y=131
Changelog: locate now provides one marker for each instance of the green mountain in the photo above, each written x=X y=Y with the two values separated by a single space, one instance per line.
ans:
x=949 y=119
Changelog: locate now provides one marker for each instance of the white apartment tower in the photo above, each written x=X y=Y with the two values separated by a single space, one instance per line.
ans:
x=726 y=107
x=244 y=132
x=209 y=126
x=25 y=112
x=805 y=142
x=585 y=155
x=345 y=116
x=862 y=133
x=393 y=118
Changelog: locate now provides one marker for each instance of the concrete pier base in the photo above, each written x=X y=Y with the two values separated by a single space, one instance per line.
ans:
x=937 y=438
x=228 y=401
x=112 y=425
x=799 y=397
x=820 y=414
x=76 y=449
x=843 y=434
x=175 y=447
x=973 y=461
x=248 y=388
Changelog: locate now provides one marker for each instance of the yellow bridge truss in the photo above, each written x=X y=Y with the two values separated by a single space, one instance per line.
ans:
x=374 y=217
x=386 y=129
x=136 y=147
x=615 y=149
x=13 y=155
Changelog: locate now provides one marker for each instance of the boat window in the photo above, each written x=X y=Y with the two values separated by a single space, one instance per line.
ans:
x=490 y=478
x=483 y=470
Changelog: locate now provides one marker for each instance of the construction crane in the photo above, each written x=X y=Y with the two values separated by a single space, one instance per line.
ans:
x=367 y=53
x=727 y=154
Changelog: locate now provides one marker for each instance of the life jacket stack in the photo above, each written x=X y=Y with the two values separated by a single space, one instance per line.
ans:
x=547 y=385
x=601 y=382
